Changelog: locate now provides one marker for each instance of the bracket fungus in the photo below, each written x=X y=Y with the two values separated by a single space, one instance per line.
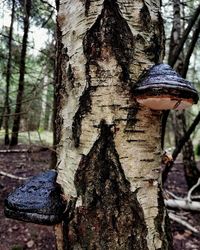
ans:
x=38 y=200
x=161 y=88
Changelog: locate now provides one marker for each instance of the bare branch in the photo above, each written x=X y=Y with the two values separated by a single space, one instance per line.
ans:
x=183 y=204
x=180 y=145
x=183 y=222
x=12 y=176
x=173 y=195
x=50 y=16
x=192 y=189
x=46 y=2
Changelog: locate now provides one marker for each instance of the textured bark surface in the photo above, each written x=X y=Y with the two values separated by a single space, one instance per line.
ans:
x=109 y=150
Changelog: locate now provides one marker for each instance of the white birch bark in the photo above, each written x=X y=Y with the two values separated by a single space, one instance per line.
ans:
x=136 y=134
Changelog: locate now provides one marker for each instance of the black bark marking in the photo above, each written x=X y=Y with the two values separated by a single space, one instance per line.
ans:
x=60 y=88
x=131 y=117
x=70 y=76
x=145 y=17
x=154 y=49
x=148 y=160
x=165 y=239
x=139 y=140
x=87 y=7
x=134 y=131
x=84 y=108
x=110 y=32
x=110 y=212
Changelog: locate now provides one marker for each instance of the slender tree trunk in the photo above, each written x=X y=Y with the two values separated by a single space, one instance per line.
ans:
x=190 y=50
x=2 y=116
x=190 y=169
x=109 y=146
x=176 y=31
x=179 y=146
x=16 y=122
x=179 y=48
x=8 y=76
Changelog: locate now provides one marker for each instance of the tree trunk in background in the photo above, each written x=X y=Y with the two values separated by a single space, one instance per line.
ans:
x=175 y=32
x=2 y=116
x=190 y=169
x=42 y=103
x=47 y=111
x=109 y=146
x=16 y=122
x=179 y=118
x=8 y=76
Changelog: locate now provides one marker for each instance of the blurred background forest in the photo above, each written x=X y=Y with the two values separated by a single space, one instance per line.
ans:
x=27 y=52
x=27 y=90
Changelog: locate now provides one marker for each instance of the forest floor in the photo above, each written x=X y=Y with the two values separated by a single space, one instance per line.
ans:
x=16 y=235
x=183 y=239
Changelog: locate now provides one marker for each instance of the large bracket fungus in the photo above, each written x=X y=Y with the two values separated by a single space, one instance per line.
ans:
x=38 y=200
x=161 y=88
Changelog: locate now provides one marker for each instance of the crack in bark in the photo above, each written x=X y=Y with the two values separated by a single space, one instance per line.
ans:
x=110 y=212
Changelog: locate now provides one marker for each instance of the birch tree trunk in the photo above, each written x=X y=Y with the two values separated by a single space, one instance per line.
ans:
x=109 y=146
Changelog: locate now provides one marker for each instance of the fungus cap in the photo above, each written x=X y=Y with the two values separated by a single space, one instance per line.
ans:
x=37 y=201
x=161 y=88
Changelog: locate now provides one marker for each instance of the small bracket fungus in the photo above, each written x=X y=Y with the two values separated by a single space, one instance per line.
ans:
x=161 y=88
x=38 y=200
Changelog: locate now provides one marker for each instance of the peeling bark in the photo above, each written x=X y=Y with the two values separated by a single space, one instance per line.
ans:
x=109 y=149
